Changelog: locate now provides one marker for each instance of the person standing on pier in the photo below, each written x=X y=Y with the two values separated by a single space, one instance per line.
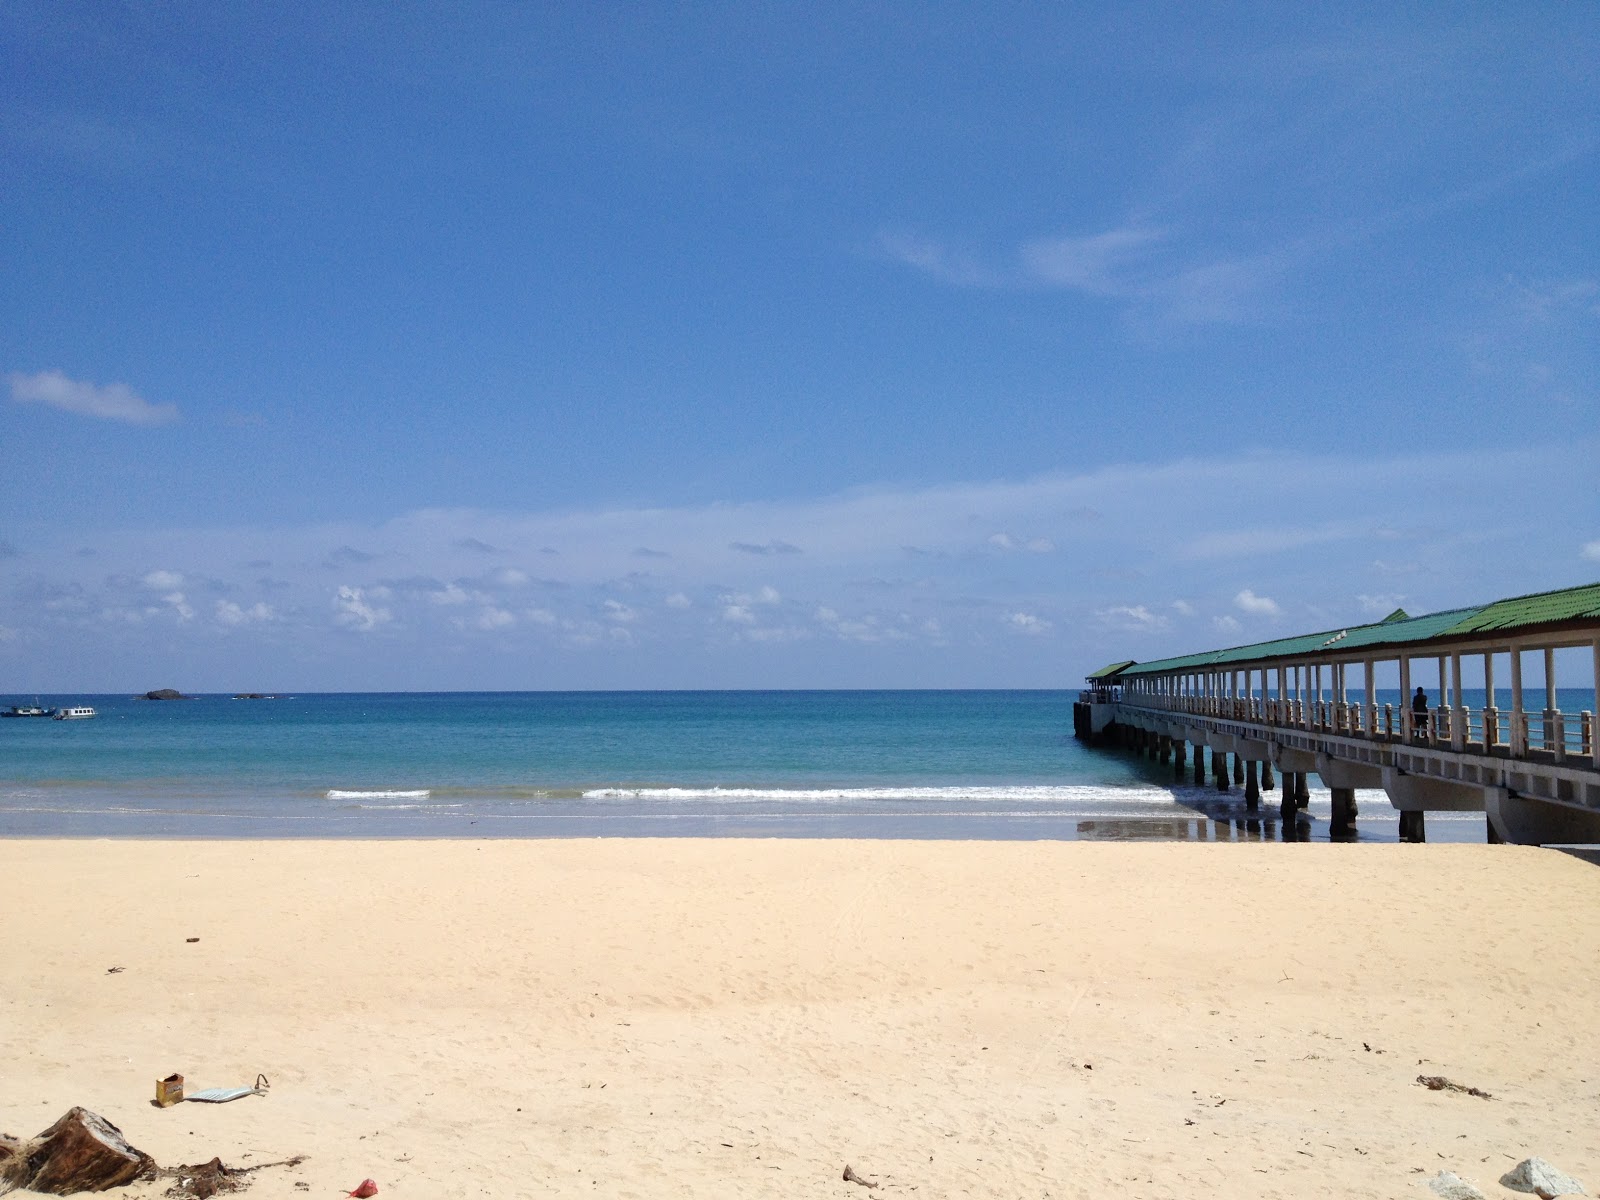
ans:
x=1419 y=713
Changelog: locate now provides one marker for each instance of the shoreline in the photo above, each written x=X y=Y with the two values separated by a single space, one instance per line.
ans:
x=697 y=1017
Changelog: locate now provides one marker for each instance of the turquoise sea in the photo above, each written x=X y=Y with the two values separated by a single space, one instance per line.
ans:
x=932 y=764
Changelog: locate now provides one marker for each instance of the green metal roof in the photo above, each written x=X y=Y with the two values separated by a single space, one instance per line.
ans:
x=1107 y=672
x=1409 y=629
x=1543 y=608
x=1567 y=604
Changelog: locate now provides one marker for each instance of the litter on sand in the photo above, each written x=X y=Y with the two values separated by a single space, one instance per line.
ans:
x=223 y=1095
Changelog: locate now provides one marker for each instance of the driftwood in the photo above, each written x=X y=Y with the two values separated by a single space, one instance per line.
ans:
x=208 y=1179
x=82 y=1152
x=851 y=1177
x=1438 y=1083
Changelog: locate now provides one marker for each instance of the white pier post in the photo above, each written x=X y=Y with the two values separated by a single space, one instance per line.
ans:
x=1594 y=734
x=1405 y=698
x=1458 y=721
x=1441 y=719
x=1369 y=671
x=1518 y=744
x=1551 y=732
x=1491 y=714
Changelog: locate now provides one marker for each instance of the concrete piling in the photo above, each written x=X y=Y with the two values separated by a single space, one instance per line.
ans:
x=1344 y=811
x=1252 y=789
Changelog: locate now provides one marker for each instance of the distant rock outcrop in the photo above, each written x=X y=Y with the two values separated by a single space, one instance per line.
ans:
x=166 y=694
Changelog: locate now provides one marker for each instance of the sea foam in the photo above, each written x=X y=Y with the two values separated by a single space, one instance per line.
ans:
x=417 y=794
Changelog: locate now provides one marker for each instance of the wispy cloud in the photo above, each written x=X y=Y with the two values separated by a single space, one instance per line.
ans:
x=1247 y=543
x=1152 y=272
x=112 y=402
x=764 y=548
x=1134 y=618
x=1141 y=579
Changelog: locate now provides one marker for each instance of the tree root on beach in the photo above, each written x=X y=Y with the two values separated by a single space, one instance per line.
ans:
x=1438 y=1083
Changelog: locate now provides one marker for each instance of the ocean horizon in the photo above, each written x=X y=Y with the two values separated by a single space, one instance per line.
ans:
x=979 y=764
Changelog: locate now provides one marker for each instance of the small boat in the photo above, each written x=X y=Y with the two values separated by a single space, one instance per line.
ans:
x=81 y=713
x=27 y=710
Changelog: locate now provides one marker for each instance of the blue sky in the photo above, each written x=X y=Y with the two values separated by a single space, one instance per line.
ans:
x=745 y=345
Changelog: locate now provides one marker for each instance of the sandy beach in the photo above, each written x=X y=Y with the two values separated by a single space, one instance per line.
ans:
x=723 y=1017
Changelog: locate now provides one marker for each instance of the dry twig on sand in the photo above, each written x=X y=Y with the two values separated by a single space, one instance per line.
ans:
x=851 y=1177
x=1438 y=1083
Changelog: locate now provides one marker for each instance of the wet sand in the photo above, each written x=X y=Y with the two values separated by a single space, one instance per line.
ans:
x=723 y=1017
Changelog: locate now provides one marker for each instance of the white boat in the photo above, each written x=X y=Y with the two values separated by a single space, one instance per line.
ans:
x=81 y=713
x=27 y=710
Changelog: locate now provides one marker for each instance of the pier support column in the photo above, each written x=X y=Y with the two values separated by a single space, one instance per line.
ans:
x=1199 y=764
x=1179 y=766
x=1344 y=811
x=1252 y=789
x=1412 y=827
x=1302 y=790
x=1267 y=782
x=1219 y=769
x=1238 y=768
x=1286 y=806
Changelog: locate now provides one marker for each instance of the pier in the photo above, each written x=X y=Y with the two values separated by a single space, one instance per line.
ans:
x=1309 y=704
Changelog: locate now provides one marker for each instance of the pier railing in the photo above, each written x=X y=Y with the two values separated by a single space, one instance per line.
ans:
x=1548 y=735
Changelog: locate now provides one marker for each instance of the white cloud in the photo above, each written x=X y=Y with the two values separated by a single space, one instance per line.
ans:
x=353 y=610
x=615 y=610
x=162 y=581
x=114 y=402
x=677 y=600
x=179 y=604
x=1260 y=606
x=1183 y=608
x=1592 y=551
x=1027 y=623
x=231 y=614
x=491 y=619
x=867 y=629
x=1004 y=541
x=1226 y=624
x=738 y=614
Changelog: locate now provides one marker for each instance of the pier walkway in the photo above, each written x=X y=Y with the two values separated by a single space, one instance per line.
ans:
x=1311 y=704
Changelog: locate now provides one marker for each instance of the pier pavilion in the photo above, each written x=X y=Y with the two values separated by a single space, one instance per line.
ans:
x=1312 y=704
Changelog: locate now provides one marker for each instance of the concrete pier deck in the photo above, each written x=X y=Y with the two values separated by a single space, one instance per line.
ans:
x=1309 y=704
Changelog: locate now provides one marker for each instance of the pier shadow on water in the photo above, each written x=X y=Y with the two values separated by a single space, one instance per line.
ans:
x=1216 y=826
